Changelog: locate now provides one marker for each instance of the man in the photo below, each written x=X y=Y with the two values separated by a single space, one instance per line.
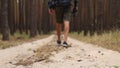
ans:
x=62 y=9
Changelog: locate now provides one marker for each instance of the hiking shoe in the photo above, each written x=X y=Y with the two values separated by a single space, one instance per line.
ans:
x=59 y=43
x=65 y=44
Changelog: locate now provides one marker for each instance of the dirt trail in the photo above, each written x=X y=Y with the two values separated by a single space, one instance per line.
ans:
x=79 y=55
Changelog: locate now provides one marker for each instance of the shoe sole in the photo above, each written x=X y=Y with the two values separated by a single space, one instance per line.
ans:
x=66 y=46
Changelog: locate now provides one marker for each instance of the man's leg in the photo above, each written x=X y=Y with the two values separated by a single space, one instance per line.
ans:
x=66 y=30
x=58 y=29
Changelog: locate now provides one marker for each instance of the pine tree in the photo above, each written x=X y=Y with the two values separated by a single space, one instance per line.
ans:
x=4 y=20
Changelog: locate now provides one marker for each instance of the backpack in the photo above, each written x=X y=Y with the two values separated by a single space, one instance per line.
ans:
x=55 y=3
x=64 y=2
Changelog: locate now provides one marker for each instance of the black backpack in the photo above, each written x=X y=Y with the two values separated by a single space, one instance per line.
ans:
x=64 y=2
x=55 y=3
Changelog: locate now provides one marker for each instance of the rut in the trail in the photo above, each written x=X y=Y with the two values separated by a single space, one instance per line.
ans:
x=42 y=54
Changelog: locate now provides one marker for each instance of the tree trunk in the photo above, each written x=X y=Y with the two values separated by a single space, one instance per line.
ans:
x=4 y=20
x=33 y=25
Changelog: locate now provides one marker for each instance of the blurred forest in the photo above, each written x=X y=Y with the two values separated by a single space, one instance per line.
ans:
x=31 y=17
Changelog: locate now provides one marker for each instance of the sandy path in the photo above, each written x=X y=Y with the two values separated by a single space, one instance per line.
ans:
x=80 y=55
x=8 y=55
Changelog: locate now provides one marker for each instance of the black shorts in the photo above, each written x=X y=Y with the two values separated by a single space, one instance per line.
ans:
x=63 y=14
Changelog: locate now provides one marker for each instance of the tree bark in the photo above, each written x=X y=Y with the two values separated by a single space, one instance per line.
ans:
x=33 y=25
x=4 y=20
